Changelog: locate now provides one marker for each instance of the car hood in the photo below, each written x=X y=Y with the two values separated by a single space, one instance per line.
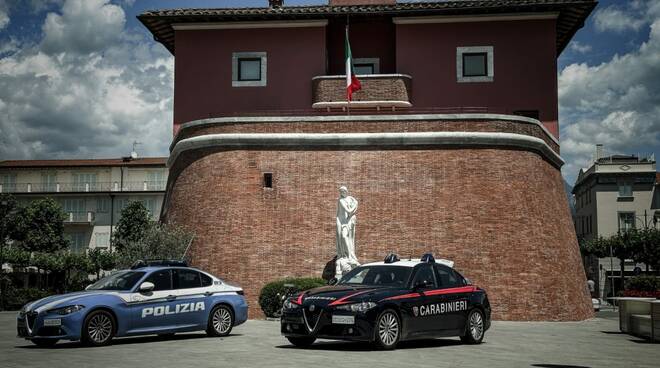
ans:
x=343 y=294
x=63 y=300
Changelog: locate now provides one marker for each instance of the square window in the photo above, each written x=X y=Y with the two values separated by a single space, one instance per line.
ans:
x=363 y=68
x=626 y=221
x=475 y=64
x=625 y=188
x=249 y=69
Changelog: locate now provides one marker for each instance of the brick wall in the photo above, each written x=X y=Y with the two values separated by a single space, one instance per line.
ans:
x=500 y=214
x=383 y=88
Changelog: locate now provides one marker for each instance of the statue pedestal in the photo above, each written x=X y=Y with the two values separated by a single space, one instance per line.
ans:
x=344 y=265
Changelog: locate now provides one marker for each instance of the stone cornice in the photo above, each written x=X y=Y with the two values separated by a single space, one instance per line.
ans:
x=365 y=140
x=358 y=118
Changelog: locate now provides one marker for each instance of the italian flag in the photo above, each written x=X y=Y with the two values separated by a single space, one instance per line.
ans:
x=352 y=83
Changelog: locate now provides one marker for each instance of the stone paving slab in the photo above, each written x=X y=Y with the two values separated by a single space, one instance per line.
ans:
x=593 y=343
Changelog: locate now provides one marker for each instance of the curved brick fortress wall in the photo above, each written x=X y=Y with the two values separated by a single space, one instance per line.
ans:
x=500 y=213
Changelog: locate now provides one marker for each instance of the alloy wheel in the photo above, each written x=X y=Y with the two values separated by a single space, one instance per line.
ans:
x=388 y=328
x=476 y=326
x=222 y=320
x=99 y=328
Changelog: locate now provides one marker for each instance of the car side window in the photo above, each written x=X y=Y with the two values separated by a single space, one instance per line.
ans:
x=425 y=274
x=447 y=278
x=206 y=280
x=186 y=279
x=162 y=280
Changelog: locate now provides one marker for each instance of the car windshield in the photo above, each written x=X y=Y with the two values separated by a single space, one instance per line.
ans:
x=122 y=280
x=396 y=276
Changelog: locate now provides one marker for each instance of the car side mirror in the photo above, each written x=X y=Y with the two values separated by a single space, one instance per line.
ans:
x=146 y=287
x=88 y=286
x=467 y=281
x=333 y=281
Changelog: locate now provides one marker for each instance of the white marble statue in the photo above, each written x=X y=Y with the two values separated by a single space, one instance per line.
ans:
x=346 y=221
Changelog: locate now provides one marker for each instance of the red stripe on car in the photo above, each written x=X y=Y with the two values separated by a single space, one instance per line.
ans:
x=343 y=300
x=463 y=289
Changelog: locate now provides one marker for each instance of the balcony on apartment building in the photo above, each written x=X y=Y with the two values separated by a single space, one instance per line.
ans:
x=82 y=218
x=379 y=91
x=132 y=186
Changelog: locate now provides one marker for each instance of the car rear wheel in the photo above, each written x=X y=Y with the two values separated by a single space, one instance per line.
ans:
x=221 y=321
x=301 y=342
x=45 y=343
x=474 y=329
x=98 y=328
x=388 y=330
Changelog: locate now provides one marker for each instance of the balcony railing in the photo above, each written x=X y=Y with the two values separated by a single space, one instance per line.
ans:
x=79 y=217
x=131 y=186
x=390 y=91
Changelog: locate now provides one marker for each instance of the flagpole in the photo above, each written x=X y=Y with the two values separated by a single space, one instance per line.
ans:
x=348 y=101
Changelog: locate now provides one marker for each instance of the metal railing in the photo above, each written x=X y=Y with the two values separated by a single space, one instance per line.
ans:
x=79 y=217
x=131 y=186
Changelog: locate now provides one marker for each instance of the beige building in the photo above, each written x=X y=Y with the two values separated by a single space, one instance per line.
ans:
x=617 y=192
x=92 y=192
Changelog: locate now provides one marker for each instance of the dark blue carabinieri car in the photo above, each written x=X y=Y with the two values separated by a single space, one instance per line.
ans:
x=161 y=297
x=390 y=301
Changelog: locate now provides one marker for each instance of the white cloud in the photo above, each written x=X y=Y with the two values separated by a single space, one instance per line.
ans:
x=616 y=103
x=78 y=96
x=617 y=20
x=4 y=14
x=84 y=26
x=579 y=47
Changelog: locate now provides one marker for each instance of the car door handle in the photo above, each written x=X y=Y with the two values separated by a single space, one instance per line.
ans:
x=170 y=297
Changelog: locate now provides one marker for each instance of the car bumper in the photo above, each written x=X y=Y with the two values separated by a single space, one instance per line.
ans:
x=296 y=324
x=49 y=326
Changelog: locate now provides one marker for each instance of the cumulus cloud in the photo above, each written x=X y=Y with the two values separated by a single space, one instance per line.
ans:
x=87 y=89
x=616 y=103
x=626 y=16
x=580 y=47
x=4 y=14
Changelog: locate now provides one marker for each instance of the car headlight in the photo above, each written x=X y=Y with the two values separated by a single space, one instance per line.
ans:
x=288 y=304
x=357 y=307
x=67 y=310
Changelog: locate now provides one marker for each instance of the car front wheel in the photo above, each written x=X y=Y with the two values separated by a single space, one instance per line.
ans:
x=221 y=321
x=474 y=329
x=98 y=328
x=388 y=330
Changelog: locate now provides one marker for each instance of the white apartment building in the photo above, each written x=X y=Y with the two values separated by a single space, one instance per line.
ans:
x=615 y=193
x=92 y=192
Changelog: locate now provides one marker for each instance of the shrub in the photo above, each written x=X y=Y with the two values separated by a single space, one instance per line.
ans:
x=269 y=300
x=17 y=298
x=646 y=283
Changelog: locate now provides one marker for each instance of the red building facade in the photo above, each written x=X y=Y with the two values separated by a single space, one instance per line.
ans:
x=450 y=147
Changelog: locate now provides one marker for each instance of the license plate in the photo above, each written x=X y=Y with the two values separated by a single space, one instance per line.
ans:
x=343 y=320
x=52 y=322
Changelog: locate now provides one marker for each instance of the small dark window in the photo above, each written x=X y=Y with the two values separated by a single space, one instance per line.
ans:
x=475 y=64
x=447 y=278
x=425 y=274
x=186 y=279
x=162 y=280
x=206 y=280
x=249 y=69
x=534 y=114
x=268 y=180
x=364 y=68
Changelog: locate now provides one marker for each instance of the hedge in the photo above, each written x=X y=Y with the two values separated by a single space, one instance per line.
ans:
x=643 y=286
x=269 y=300
x=17 y=298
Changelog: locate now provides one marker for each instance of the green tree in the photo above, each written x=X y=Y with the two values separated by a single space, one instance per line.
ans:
x=159 y=241
x=133 y=225
x=101 y=260
x=39 y=227
x=7 y=210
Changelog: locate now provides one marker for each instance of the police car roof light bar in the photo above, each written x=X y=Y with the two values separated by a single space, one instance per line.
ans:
x=391 y=258
x=427 y=258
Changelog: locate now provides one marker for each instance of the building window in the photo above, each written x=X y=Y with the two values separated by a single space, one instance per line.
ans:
x=102 y=240
x=625 y=188
x=249 y=69
x=626 y=221
x=84 y=182
x=155 y=180
x=268 y=180
x=8 y=183
x=364 y=66
x=103 y=205
x=475 y=64
x=77 y=243
x=48 y=182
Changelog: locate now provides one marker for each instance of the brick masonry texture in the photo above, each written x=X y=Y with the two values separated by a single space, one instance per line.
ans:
x=373 y=89
x=373 y=127
x=500 y=214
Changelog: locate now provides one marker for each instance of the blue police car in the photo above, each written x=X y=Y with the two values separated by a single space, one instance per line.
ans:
x=156 y=297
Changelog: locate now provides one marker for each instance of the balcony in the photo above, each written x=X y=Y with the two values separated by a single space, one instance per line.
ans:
x=131 y=186
x=380 y=91
x=79 y=218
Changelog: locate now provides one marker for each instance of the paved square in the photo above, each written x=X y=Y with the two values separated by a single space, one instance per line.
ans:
x=593 y=343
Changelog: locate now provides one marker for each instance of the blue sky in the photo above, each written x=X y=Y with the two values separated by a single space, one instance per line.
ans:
x=65 y=66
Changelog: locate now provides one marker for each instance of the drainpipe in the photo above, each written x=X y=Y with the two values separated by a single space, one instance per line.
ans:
x=112 y=218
